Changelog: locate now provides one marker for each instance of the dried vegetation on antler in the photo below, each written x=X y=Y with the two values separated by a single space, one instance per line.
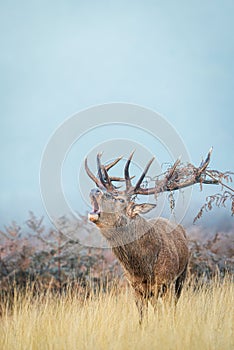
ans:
x=180 y=175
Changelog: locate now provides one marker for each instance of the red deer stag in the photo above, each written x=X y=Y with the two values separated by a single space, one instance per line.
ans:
x=153 y=253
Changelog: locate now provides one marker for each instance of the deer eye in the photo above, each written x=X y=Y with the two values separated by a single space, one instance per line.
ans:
x=121 y=200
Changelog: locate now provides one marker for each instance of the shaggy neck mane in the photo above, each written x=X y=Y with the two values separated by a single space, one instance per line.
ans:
x=134 y=249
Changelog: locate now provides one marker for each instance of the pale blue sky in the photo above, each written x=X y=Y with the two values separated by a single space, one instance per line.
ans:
x=58 y=57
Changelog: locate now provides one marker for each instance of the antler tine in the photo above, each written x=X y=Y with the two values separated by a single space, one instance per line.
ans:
x=205 y=163
x=110 y=165
x=137 y=186
x=115 y=178
x=172 y=170
x=92 y=176
x=101 y=169
x=126 y=172
x=108 y=183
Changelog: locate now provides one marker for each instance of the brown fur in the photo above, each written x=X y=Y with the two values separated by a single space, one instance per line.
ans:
x=154 y=261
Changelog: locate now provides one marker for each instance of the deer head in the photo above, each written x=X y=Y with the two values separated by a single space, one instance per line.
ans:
x=112 y=207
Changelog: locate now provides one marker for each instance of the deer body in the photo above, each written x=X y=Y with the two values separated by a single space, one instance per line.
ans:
x=159 y=256
x=153 y=253
x=153 y=261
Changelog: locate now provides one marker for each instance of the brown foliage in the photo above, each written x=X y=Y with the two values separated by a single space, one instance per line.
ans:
x=212 y=256
x=47 y=260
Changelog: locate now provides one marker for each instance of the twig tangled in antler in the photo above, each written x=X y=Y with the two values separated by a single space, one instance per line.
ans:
x=179 y=176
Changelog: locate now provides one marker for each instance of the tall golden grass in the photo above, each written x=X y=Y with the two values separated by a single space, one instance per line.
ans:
x=203 y=319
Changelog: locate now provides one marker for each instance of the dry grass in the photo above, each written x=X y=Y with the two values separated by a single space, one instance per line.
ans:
x=204 y=319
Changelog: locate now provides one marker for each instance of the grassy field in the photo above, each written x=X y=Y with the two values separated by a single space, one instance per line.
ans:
x=204 y=319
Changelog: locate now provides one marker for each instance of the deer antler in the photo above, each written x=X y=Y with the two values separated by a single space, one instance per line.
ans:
x=126 y=173
x=92 y=176
x=175 y=178
x=103 y=181
x=137 y=189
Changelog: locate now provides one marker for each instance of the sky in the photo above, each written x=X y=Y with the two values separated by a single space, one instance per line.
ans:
x=60 y=57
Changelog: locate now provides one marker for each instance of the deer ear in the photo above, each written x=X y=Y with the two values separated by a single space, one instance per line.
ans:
x=140 y=209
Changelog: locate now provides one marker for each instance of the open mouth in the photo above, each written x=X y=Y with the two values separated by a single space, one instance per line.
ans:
x=95 y=213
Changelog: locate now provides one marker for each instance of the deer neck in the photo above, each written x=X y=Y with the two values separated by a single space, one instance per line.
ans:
x=134 y=252
x=125 y=231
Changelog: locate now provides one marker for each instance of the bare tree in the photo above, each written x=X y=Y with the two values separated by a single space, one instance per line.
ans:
x=154 y=253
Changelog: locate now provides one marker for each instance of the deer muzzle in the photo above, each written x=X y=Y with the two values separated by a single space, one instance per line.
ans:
x=95 y=213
